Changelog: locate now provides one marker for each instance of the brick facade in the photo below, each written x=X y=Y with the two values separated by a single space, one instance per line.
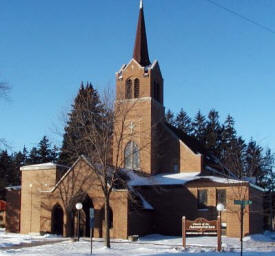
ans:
x=13 y=210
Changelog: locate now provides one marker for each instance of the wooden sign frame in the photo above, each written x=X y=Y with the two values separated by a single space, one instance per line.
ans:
x=201 y=226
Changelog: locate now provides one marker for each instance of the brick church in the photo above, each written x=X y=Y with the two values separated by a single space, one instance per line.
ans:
x=169 y=175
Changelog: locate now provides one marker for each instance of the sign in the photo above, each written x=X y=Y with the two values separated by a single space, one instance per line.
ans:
x=201 y=226
x=243 y=202
x=92 y=217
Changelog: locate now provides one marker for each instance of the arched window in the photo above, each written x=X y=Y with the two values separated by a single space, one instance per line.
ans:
x=128 y=89
x=131 y=156
x=156 y=91
x=136 y=88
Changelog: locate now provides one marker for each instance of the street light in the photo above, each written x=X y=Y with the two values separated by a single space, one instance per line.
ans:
x=220 y=208
x=78 y=207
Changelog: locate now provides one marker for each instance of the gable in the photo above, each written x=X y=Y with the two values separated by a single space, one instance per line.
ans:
x=80 y=176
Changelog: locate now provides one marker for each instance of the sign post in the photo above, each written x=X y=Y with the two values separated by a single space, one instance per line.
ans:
x=92 y=223
x=242 y=204
x=201 y=226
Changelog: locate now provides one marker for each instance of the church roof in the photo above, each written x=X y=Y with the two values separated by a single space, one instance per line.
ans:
x=141 y=54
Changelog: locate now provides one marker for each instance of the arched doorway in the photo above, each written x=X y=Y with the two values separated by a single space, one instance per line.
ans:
x=87 y=204
x=57 y=220
x=84 y=224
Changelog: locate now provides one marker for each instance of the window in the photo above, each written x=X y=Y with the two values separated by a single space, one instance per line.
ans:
x=128 y=89
x=136 y=88
x=131 y=156
x=221 y=196
x=202 y=199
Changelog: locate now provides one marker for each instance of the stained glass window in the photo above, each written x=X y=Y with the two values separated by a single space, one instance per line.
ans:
x=131 y=156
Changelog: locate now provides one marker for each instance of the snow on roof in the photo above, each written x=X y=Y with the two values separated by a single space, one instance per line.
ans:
x=174 y=179
x=10 y=188
x=160 y=179
x=44 y=166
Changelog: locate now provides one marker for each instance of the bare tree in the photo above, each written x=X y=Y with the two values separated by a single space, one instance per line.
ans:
x=103 y=135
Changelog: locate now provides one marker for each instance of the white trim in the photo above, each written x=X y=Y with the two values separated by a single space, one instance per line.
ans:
x=44 y=166
x=64 y=176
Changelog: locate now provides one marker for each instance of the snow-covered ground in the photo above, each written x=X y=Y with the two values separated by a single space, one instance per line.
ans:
x=256 y=245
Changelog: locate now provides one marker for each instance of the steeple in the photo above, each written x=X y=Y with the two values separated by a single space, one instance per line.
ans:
x=141 y=49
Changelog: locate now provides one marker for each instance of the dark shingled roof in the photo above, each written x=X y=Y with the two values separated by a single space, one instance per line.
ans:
x=141 y=49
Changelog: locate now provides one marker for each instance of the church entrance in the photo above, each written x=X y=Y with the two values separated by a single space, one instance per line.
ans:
x=84 y=219
x=57 y=220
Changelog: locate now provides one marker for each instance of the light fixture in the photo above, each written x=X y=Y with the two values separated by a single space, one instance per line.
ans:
x=220 y=207
x=78 y=206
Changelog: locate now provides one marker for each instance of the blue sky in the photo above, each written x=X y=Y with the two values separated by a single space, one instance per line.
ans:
x=209 y=58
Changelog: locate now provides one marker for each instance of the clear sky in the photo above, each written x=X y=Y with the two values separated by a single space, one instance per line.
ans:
x=209 y=58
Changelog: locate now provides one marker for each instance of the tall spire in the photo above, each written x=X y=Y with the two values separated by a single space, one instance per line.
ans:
x=141 y=49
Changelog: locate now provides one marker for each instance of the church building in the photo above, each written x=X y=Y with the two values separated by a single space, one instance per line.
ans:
x=168 y=174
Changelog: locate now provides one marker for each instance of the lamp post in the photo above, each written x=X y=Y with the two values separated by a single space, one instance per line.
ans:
x=220 y=208
x=78 y=207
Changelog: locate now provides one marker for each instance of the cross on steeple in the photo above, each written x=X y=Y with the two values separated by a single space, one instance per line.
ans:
x=141 y=49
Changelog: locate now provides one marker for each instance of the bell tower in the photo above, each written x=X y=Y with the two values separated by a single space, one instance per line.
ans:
x=139 y=107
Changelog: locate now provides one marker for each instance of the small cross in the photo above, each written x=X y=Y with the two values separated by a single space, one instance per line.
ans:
x=131 y=126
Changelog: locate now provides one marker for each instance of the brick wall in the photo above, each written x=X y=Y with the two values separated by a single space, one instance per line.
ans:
x=33 y=182
x=13 y=211
x=82 y=178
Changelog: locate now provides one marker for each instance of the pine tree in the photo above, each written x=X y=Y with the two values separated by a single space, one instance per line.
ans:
x=33 y=157
x=253 y=160
x=7 y=170
x=199 y=127
x=44 y=150
x=170 y=117
x=213 y=132
x=183 y=122
x=88 y=109
x=19 y=159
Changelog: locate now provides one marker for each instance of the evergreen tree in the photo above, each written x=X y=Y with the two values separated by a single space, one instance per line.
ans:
x=267 y=180
x=253 y=160
x=44 y=150
x=199 y=127
x=228 y=137
x=170 y=117
x=33 y=157
x=213 y=133
x=183 y=122
x=42 y=153
x=87 y=108
x=7 y=170
x=19 y=159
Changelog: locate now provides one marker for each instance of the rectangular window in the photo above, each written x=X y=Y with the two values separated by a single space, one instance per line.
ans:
x=221 y=196
x=202 y=199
